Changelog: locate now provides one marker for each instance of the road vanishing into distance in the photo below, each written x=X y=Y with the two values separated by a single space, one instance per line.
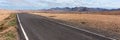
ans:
x=34 y=27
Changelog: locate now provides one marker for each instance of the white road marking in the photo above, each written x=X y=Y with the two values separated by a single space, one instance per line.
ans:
x=26 y=37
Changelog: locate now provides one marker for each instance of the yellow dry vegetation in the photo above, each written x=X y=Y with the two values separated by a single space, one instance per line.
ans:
x=3 y=16
x=8 y=29
x=5 y=13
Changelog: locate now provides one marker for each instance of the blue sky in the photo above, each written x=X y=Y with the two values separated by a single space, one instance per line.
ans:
x=44 y=4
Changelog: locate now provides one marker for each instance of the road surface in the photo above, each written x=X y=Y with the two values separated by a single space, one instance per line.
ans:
x=33 y=27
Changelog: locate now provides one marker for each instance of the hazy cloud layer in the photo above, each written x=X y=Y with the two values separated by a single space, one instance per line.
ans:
x=41 y=4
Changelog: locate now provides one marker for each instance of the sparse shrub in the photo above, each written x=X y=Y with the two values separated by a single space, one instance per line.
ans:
x=52 y=16
x=83 y=22
x=12 y=22
x=10 y=35
x=2 y=28
x=7 y=18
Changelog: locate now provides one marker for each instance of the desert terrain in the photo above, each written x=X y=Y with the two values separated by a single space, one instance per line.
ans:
x=106 y=23
x=97 y=21
x=7 y=25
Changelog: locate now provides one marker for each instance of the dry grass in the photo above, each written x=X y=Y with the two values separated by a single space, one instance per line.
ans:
x=5 y=13
x=3 y=16
x=7 y=26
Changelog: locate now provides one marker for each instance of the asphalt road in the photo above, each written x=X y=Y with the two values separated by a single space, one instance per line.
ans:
x=39 y=28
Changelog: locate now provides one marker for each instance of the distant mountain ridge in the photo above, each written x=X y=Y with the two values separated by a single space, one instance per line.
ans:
x=82 y=9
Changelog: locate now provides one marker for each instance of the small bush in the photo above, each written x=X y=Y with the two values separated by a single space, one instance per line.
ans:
x=52 y=16
x=10 y=35
x=12 y=22
x=83 y=22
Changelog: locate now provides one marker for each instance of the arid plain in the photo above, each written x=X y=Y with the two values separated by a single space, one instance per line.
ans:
x=106 y=21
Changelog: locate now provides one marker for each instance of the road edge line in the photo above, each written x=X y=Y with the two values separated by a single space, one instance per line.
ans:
x=25 y=35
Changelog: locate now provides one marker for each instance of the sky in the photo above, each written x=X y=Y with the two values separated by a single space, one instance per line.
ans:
x=45 y=4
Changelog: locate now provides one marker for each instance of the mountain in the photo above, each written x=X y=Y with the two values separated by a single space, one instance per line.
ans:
x=79 y=9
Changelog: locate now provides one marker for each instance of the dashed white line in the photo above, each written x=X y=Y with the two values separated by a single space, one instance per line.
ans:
x=26 y=37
